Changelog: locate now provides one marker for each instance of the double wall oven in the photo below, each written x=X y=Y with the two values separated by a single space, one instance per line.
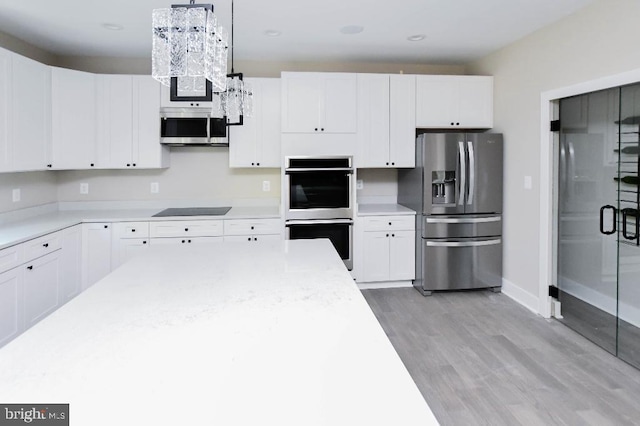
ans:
x=319 y=201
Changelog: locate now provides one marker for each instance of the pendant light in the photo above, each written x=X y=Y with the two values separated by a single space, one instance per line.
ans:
x=190 y=47
x=236 y=101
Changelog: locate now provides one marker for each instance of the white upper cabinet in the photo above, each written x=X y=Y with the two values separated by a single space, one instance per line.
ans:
x=147 y=150
x=73 y=126
x=447 y=101
x=31 y=114
x=115 y=120
x=320 y=103
x=386 y=121
x=257 y=142
x=373 y=120
x=25 y=113
x=402 y=122
x=5 y=85
x=129 y=122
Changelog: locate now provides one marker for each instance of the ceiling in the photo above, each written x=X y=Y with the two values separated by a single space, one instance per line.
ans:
x=456 y=31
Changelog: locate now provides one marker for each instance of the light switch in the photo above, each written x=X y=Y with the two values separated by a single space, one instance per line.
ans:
x=266 y=185
x=155 y=187
x=528 y=182
x=15 y=195
x=359 y=184
x=84 y=188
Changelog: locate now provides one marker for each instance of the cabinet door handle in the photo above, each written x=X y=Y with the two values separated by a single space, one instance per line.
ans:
x=186 y=229
x=144 y=242
x=133 y=230
x=91 y=164
x=255 y=239
x=182 y=241
x=387 y=235
x=189 y=241
x=30 y=267
x=45 y=245
x=249 y=239
x=393 y=235
x=128 y=165
x=106 y=226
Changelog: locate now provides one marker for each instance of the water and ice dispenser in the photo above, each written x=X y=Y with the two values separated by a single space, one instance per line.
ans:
x=443 y=187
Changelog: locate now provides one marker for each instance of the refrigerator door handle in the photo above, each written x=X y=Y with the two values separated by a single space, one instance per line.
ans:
x=464 y=243
x=463 y=172
x=464 y=219
x=472 y=173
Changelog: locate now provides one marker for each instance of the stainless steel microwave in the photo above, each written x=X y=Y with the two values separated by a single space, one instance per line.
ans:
x=192 y=127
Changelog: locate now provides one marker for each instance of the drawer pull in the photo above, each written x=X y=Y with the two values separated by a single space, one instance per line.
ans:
x=186 y=229
x=30 y=267
x=45 y=245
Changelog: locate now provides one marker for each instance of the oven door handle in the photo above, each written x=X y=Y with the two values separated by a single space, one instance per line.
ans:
x=338 y=169
x=319 y=222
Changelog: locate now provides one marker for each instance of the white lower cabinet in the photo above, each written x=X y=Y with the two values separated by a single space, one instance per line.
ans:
x=129 y=239
x=251 y=238
x=41 y=287
x=387 y=251
x=185 y=228
x=252 y=230
x=96 y=252
x=11 y=306
x=71 y=263
x=185 y=240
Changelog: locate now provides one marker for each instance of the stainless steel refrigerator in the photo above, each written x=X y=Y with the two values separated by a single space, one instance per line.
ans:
x=456 y=188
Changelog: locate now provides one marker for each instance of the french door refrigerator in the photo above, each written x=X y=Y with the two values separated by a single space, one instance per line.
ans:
x=456 y=188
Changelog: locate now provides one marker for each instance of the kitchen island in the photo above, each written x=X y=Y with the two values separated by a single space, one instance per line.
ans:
x=227 y=334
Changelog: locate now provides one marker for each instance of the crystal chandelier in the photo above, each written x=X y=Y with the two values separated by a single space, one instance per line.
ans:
x=236 y=101
x=189 y=44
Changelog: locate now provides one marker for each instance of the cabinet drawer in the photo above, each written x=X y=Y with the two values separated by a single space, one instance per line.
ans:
x=389 y=223
x=11 y=257
x=251 y=226
x=184 y=228
x=252 y=238
x=185 y=240
x=131 y=229
x=40 y=246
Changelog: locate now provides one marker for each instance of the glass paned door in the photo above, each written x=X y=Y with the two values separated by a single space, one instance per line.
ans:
x=628 y=235
x=587 y=215
x=598 y=218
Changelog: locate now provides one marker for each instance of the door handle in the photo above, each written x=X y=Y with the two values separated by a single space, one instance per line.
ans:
x=633 y=213
x=463 y=173
x=613 y=211
x=472 y=173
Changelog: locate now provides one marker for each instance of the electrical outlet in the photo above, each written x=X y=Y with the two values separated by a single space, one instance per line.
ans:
x=84 y=188
x=266 y=185
x=528 y=182
x=15 y=195
x=359 y=184
x=155 y=187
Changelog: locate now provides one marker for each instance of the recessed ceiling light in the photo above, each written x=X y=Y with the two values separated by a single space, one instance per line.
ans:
x=416 y=37
x=351 y=29
x=272 y=33
x=112 y=27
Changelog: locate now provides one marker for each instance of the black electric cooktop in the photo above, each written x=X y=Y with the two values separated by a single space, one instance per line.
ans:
x=193 y=211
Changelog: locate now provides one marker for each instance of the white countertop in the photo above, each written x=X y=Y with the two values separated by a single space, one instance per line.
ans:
x=19 y=231
x=234 y=334
x=383 y=210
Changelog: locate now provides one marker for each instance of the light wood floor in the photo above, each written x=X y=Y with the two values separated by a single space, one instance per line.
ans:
x=480 y=358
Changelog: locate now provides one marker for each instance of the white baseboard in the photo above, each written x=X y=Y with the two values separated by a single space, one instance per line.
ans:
x=384 y=284
x=526 y=299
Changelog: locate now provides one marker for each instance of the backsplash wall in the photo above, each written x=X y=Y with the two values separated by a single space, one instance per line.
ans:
x=36 y=188
x=195 y=173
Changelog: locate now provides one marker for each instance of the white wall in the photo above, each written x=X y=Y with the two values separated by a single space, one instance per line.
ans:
x=598 y=41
